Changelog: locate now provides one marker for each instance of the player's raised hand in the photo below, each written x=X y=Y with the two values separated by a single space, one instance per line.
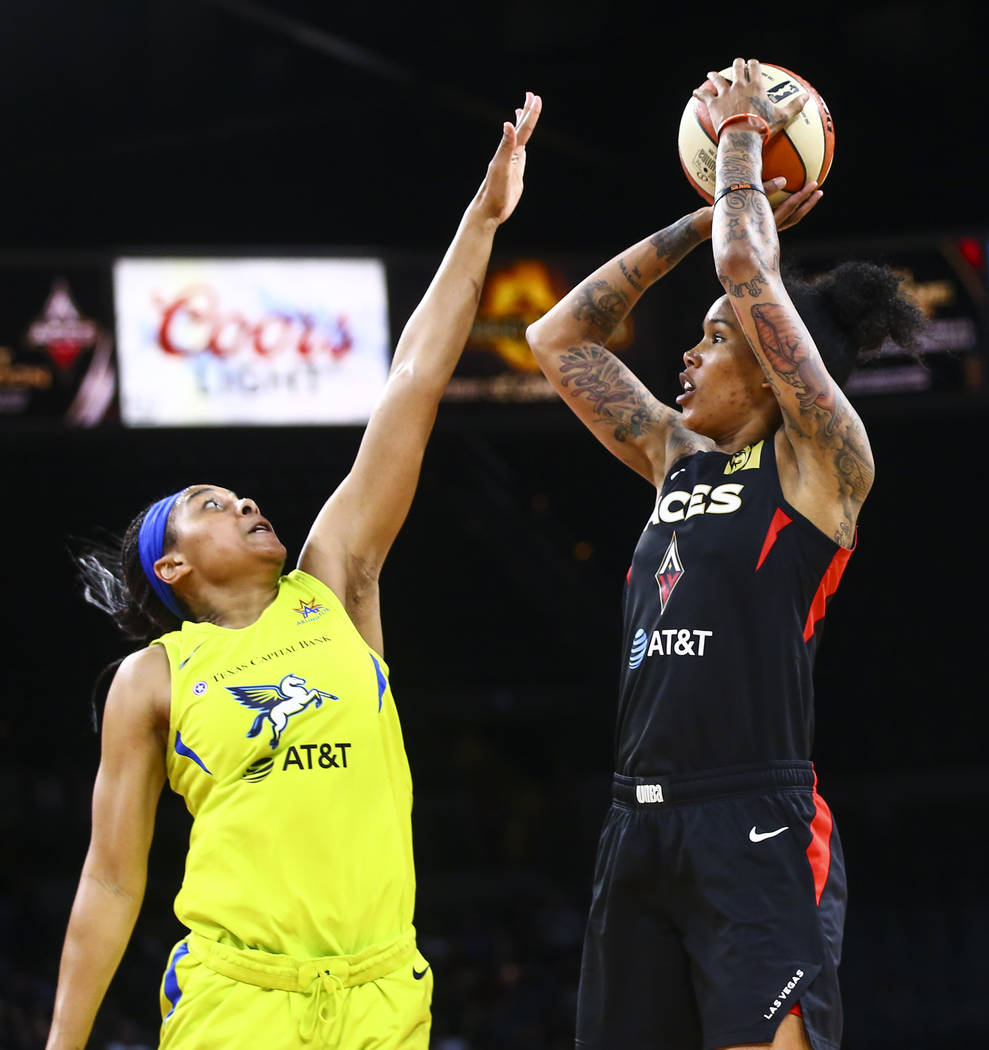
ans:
x=502 y=186
x=797 y=206
x=746 y=93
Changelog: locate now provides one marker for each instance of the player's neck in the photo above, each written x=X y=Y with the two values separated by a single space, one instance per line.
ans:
x=234 y=605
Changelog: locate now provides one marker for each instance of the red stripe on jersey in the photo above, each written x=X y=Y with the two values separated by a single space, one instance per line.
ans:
x=827 y=587
x=819 y=850
x=776 y=526
x=795 y=1009
x=628 y=575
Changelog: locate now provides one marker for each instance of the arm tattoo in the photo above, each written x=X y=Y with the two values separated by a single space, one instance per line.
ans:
x=618 y=398
x=734 y=230
x=746 y=219
x=751 y=287
x=853 y=464
x=737 y=161
x=788 y=356
x=854 y=472
x=843 y=534
x=602 y=303
x=676 y=241
x=601 y=307
x=801 y=367
x=633 y=276
x=798 y=366
x=745 y=214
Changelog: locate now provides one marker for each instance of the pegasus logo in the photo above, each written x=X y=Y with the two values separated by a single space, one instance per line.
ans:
x=277 y=703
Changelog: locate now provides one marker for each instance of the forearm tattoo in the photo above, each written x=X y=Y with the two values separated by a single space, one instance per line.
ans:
x=617 y=397
x=632 y=274
x=738 y=161
x=820 y=415
x=743 y=214
x=600 y=307
x=673 y=243
x=752 y=287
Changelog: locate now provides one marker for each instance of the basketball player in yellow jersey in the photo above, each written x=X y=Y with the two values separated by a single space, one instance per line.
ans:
x=265 y=702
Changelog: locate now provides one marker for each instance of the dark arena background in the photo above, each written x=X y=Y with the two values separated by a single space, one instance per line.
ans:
x=224 y=130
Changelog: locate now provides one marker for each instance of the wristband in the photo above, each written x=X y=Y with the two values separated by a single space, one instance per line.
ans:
x=739 y=186
x=756 y=123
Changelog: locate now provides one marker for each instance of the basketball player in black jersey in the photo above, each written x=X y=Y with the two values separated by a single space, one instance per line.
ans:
x=718 y=902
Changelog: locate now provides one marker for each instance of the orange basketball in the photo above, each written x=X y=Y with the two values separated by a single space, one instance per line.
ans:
x=801 y=153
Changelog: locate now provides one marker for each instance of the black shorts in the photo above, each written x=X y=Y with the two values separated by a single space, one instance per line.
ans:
x=718 y=907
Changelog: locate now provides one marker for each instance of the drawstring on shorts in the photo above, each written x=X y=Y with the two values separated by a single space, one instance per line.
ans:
x=323 y=981
x=323 y=984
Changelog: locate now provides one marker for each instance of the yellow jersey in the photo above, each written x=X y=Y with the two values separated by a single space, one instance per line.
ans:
x=285 y=743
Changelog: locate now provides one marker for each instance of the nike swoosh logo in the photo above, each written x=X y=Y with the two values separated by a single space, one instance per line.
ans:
x=419 y=974
x=191 y=655
x=758 y=836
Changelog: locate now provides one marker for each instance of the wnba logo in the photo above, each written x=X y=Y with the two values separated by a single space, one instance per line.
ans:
x=645 y=793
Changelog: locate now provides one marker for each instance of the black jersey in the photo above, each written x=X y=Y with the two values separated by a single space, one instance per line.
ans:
x=725 y=589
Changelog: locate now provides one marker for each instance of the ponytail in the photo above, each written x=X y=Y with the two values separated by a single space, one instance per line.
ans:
x=113 y=580
x=852 y=311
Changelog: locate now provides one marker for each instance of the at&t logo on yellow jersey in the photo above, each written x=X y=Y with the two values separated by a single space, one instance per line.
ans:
x=299 y=757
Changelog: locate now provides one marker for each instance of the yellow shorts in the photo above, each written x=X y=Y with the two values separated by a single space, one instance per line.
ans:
x=214 y=995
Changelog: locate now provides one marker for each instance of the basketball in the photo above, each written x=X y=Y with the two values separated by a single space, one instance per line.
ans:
x=801 y=152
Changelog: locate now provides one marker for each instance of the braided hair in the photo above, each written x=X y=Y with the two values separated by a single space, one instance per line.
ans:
x=851 y=311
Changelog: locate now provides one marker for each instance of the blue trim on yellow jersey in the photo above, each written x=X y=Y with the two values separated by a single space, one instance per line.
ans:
x=173 y=993
x=382 y=681
x=187 y=752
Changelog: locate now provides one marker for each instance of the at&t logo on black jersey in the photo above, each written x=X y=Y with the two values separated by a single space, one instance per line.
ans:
x=667 y=641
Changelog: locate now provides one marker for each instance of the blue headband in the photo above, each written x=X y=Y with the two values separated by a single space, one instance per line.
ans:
x=151 y=546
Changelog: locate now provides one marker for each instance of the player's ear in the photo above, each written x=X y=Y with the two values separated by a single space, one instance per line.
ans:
x=171 y=567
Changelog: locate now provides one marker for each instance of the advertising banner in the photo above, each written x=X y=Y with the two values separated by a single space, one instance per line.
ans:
x=277 y=341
